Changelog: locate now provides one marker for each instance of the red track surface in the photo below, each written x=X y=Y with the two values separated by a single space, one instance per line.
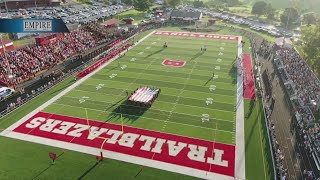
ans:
x=248 y=79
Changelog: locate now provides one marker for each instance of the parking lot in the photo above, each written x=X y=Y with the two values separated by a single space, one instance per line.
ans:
x=72 y=15
x=275 y=31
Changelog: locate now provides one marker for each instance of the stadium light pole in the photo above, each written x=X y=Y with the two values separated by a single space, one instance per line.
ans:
x=5 y=57
x=121 y=119
x=35 y=4
x=5 y=4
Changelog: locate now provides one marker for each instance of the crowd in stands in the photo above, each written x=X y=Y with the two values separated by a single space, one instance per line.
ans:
x=265 y=51
x=306 y=86
x=305 y=81
x=25 y=63
x=20 y=65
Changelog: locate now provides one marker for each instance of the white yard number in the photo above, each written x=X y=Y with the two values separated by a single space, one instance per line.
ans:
x=99 y=86
x=219 y=60
x=220 y=53
x=205 y=118
x=148 y=47
x=140 y=53
x=113 y=76
x=221 y=48
x=83 y=99
x=133 y=59
x=124 y=67
x=217 y=68
x=212 y=87
x=215 y=77
x=153 y=42
x=209 y=101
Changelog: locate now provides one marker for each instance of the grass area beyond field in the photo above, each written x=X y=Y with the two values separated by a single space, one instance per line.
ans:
x=258 y=156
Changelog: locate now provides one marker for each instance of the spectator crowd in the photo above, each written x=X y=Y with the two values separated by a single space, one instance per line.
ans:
x=304 y=88
x=20 y=65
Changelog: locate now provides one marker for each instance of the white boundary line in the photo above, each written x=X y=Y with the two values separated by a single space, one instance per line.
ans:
x=240 y=142
x=122 y=157
x=95 y=151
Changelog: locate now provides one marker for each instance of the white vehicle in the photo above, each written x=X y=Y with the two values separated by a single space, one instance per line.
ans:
x=5 y=92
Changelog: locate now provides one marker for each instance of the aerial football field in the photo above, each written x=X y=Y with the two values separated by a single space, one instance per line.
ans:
x=189 y=131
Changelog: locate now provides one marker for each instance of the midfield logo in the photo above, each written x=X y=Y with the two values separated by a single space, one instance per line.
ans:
x=173 y=63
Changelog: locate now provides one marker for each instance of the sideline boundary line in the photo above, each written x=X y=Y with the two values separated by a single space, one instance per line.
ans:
x=240 y=155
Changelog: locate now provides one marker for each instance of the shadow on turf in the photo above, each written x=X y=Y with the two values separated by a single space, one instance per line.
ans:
x=64 y=87
x=88 y=170
x=254 y=126
x=233 y=74
x=210 y=79
x=156 y=52
x=196 y=55
x=129 y=112
x=47 y=167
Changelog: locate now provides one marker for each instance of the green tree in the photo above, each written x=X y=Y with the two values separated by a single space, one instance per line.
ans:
x=270 y=11
x=128 y=2
x=142 y=5
x=198 y=3
x=233 y=2
x=289 y=16
x=311 y=46
x=259 y=8
x=309 y=18
x=173 y=3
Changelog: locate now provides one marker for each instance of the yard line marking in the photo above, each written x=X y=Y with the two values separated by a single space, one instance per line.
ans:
x=231 y=111
x=231 y=121
x=200 y=85
x=182 y=90
x=108 y=80
x=173 y=122
x=203 y=64
x=204 y=93
x=224 y=74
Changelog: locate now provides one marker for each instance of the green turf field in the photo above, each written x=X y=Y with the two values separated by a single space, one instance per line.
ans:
x=26 y=160
x=184 y=90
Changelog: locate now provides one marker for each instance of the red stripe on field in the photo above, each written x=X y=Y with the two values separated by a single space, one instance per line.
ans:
x=36 y=126
x=248 y=85
x=197 y=35
x=116 y=43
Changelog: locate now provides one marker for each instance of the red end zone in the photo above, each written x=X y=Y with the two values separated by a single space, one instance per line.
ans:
x=177 y=150
x=197 y=35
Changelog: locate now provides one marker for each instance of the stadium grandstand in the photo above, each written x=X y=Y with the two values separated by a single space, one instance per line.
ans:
x=22 y=4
